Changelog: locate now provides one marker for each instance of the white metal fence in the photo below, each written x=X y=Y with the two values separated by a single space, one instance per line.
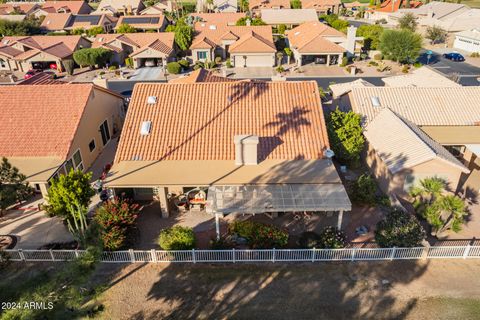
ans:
x=260 y=255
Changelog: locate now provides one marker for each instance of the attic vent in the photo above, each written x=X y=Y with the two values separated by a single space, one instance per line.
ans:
x=145 y=129
x=213 y=27
x=297 y=33
x=137 y=157
x=376 y=102
x=152 y=100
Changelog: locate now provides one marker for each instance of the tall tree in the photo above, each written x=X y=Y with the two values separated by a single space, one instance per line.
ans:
x=126 y=28
x=446 y=213
x=402 y=46
x=13 y=187
x=371 y=35
x=408 y=21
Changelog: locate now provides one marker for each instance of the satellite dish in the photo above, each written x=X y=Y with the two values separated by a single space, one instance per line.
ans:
x=329 y=153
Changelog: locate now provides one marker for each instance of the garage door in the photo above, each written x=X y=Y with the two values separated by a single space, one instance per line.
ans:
x=253 y=61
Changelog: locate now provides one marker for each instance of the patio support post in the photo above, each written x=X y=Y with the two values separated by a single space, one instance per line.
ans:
x=340 y=218
x=328 y=60
x=162 y=199
x=217 y=226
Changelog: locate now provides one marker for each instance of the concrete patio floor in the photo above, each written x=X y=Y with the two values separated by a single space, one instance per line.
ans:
x=32 y=227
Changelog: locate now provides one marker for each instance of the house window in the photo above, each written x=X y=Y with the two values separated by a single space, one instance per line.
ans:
x=2 y=63
x=77 y=160
x=201 y=55
x=91 y=145
x=105 y=132
x=69 y=165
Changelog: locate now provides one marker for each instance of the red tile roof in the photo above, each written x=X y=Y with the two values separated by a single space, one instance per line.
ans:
x=40 y=120
x=198 y=121
x=41 y=78
x=202 y=75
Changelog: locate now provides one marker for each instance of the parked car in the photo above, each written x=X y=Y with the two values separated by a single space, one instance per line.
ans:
x=29 y=74
x=454 y=56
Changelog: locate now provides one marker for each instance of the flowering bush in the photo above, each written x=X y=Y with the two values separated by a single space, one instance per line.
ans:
x=399 y=229
x=177 y=238
x=332 y=238
x=116 y=219
x=260 y=235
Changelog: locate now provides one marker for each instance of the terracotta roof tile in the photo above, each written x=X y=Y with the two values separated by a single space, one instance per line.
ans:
x=198 y=121
x=252 y=42
x=202 y=75
x=312 y=37
x=72 y=6
x=319 y=4
x=268 y=4
x=40 y=120
x=55 y=21
x=40 y=79
x=216 y=19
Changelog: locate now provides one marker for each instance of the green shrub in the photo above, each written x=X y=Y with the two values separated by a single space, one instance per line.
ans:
x=228 y=63
x=260 y=235
x=332 y=238
x=113 y=67
x=221 y=244
x=399 y=229
x=92 y=32
x=280 y=69
x=475 y=55
x=282 y=28
x=69 y=66
x=417 y=64
x=92 y=56
x=364 y=190
x=378 y=57
x=129 y=62
x=344 y=62
x=177 y=238
x=184 y=63
x=78 y=31
x=116 y=220
x=373 y=63
x=405 y=68
x=174 y=67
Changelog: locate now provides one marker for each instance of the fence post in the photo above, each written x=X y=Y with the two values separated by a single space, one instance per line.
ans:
x=132 y=255
x=392 y=255
x=233 y=252
x=353 y=254
x=22 y=256
x=273 y=256
x=51 y=255
x=313 y=254
x=193 y=256
x=425 y=252
x=154 y=255
x=466 y=251
x=76 y=253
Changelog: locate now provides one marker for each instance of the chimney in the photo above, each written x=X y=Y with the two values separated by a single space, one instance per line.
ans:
x=246 y=149
x=351 y=37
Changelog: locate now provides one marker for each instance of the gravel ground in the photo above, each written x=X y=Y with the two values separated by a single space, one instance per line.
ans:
x=370 y=290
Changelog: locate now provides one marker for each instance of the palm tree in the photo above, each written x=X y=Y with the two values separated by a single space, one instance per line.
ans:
x=429 y=189
x=447 y=213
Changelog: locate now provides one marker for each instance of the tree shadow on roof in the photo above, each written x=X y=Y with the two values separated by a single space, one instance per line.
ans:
x=291 y=121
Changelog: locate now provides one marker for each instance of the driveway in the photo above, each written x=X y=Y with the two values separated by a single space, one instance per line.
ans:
x=448 y=68
x=32 y=227
x=148 y=74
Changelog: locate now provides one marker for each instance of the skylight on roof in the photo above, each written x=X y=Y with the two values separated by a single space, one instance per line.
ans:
x=375 y=102
x=145 y=128
x=151 y=100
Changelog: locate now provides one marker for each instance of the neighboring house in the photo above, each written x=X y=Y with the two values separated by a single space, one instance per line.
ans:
x=400 y=154
x=340 y=93
x=160 y=7
x=288 y=17
x=388 y=7
x=120 y=7
x=156 y=22
x=38 y=52
x=18 y=8
x=155 y=48
x=67 y=21
x=217 y=6
x=421 y=77
x=315 y=42
x=468 y=41
x=256 y=5
x=73 y=6
x=453 y=17
x=204 y=21
x=323 y=6
x=201 y=75
x=255 y=147
x=355 y=5
x=13 y=17
x=246 y=46
x=46 y=130
x=450 y=116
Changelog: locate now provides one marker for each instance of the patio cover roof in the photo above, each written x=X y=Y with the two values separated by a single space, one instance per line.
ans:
x=277 y=198
x=36 y=169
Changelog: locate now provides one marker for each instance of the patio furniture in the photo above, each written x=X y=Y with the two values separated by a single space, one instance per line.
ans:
x=361 y=231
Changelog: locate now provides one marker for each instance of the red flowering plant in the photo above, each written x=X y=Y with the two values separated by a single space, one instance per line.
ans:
x=260 y=235
x=116 y=219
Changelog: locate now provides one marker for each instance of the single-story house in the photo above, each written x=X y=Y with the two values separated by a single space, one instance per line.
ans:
x=421 y=77
x=120 y=7
x=453 y=17
x=160 y=7
x=448 y=115
x=340 y=91
x=323 y=6
x=201 y=75
x=156 y=22
x=219 y=6
x=256 y=5
x=400 y=154
x=47 y=130
x=315 y=42
x=246 y=46
x=67 y=21
x=210 y=21
x=468 y=40
x=73 y=6
x=389 y=7
x=156 y=48
x=17 y=8
x=255 y=147
x=22 y=53
x=289 y=17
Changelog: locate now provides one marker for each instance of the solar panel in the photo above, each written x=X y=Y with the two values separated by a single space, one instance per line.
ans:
x=87 y=18
x=141 y=20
